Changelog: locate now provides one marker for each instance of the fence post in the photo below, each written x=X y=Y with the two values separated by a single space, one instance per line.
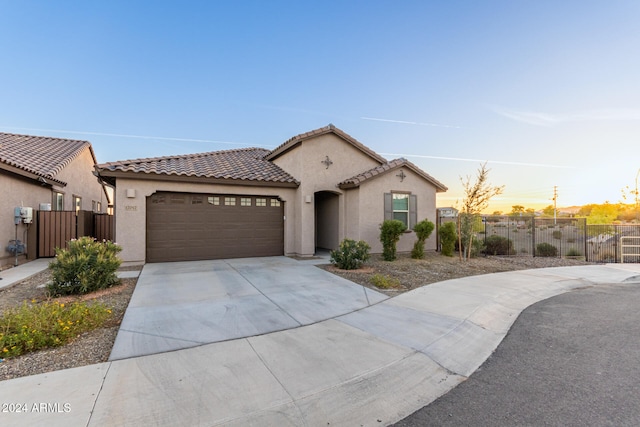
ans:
x=534 y=229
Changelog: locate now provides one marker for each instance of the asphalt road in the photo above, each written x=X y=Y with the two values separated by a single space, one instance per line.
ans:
x=571 y=360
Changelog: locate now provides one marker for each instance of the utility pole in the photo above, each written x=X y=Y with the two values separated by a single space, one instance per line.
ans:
x=555 y=204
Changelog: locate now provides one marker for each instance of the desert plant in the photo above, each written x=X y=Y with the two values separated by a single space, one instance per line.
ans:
x=350 y=255
x=32 y=327
x=385 y=282
x=448 y=237
x=498 y=245
x=546 y=250
x=390 y=232
x=85 y=267
x=423 y=230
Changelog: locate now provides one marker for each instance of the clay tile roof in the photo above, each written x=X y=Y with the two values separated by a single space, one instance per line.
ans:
x=246 y=164
x=355 y=181
x=41 y=156
x=293 y=142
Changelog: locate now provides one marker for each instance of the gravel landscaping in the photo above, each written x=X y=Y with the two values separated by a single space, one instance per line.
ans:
x=95 y=346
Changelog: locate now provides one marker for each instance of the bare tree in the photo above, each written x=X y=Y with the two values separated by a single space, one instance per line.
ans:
x=476 y=199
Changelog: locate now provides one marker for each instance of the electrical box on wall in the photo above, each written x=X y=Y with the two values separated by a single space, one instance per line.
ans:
x=22 y=215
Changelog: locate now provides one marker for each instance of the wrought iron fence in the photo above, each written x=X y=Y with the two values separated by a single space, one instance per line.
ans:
x=561 y=237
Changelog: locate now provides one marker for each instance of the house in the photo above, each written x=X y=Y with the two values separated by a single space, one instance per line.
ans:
x=310 y=192
x=448 y=212
x=44 y=173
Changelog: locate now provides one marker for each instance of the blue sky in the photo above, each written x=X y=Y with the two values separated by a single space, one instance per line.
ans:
x=546 y=91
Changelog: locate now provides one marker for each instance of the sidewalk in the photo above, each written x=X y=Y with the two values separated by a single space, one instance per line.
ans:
x=23 y=271
x=373 y=366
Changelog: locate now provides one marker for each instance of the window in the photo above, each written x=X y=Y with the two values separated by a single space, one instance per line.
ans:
x=58 y=201
x=77 y=203
x=261 y=202
x=275 y=202
x=213 y=200
x=196 y=200
x=401 y=206
x=245 y=201
x=229 y=201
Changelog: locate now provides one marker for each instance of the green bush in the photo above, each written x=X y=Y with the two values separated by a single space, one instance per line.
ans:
x=50 y=324
x=573 y=252
x=351 y=254
x=85 y=267
x=546 y=250
x=423 y=230
x=498 y=245
x=390 y=232
x=448 y=238
x=384 y=282
x=557 y=234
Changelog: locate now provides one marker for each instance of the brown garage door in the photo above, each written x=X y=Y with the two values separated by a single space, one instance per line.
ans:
x=189 y=227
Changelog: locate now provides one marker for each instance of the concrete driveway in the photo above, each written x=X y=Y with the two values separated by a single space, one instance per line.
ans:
x=187 y=304
x=371 y=366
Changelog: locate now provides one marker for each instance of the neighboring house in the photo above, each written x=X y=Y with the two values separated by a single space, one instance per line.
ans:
x=311 y=192
x=447 y=212
x=44 y=173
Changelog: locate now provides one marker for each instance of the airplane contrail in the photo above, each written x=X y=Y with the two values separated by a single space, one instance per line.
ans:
x=405 y=122
x=460 y=159
x=118 y=135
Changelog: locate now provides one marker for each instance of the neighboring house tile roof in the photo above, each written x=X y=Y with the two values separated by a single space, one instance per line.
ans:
x=298 y=139
x=39 y=156
x=245 y=164
x=355 y=181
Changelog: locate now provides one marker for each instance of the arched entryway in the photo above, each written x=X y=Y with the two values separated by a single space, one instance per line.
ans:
x=326 y=220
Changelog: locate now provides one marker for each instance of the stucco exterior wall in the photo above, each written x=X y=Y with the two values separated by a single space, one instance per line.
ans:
x=371 y=207
x=81 y=182
x=131 y=211
x=304 y=163
x=17 y=192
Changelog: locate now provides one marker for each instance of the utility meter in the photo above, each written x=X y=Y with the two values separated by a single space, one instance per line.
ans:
x=22 y=215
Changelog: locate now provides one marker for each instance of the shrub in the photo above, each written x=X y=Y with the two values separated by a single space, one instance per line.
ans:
x=498 y=245
x=448 y=238
x=546 y=250
x=423 y=230
x=351 y=254
x=557 y=234
x=390 y=232
x=573 y=252
x=85 y=267
x=385 y=282
x=50 y=324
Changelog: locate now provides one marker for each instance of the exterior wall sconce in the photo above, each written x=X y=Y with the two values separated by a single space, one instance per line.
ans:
x=131 y=193
x=327 y=162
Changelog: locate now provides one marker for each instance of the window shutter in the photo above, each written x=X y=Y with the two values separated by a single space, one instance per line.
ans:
x=413 y=211
x=388 y=206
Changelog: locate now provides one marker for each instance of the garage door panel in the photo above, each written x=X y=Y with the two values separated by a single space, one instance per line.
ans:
x=182 y=227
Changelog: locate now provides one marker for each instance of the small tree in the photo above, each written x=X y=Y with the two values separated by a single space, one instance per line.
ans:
x=390 y=232
x=448 y=237
x=476 y=199
x=423 y=230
